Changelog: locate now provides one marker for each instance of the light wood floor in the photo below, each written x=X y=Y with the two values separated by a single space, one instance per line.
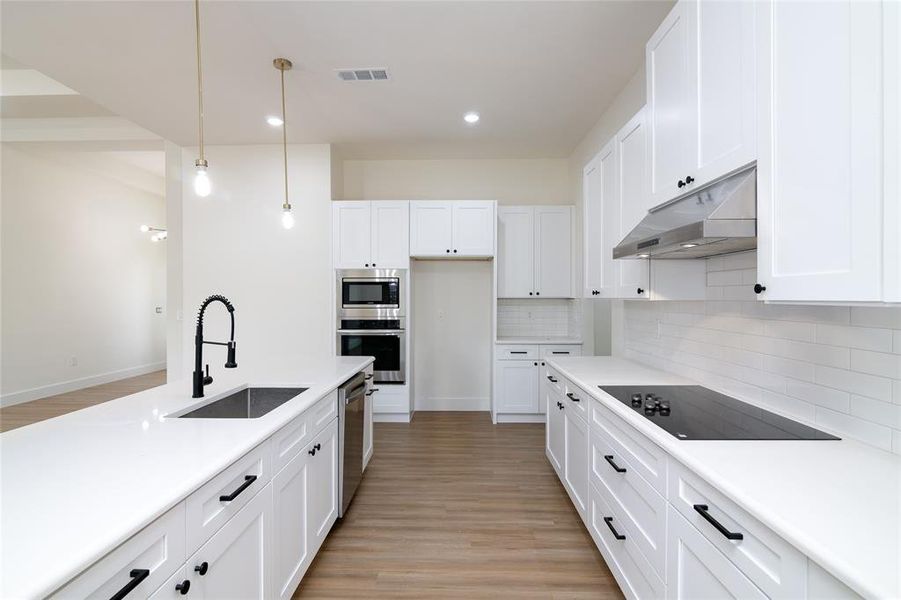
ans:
x=452 y=506
x=27 y=413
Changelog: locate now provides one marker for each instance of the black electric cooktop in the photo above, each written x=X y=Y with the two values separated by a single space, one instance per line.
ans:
x=692 y=412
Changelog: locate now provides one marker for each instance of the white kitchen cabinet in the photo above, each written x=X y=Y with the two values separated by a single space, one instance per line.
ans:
x=517 y=386
x=368 y=431
x=633 y=276
x=700 y=66
x=601 y=227
x=696 y=569
x=174 y=586
x=575 y=462
x=515 y=251
x=322 y=502
x=535 y=251
x=291 y=549
x=555 y=429
x=371 y=234
x=821 y=135
x=237 y=560
x=458 y=229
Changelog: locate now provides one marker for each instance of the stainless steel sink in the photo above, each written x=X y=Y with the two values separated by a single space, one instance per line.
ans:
x=249 y=403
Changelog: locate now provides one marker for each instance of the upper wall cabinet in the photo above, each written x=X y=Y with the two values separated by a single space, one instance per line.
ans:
x=828 y=114
x=535 y=253
x=632 y=276
x=458 y=229
x=701 y=95
x=600 y=215
x=371 y=234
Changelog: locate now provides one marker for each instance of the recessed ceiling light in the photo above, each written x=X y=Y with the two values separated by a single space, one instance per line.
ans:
x=689 y=245
x=643 y=255
x=275 y=121
x=471 y=117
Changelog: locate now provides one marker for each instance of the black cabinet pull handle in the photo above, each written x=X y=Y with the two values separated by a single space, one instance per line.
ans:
x=312 y=451
x=639 y=291
x=183 y=587
x=571 y=397
x=759 y=288
x=202 y=568
x=702 y=510
x=367 y=377
x=681 y=184
x=551 y=379
x=560 y=352
x=518 y=352
x=616 y=534
x=616 y=467
x=137 y=576
x=248 y=480
x=318 y=447
x=689 y=179
x=372 y=391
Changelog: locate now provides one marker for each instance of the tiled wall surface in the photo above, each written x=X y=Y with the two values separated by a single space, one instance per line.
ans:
x=544 y=317
x=836 y=366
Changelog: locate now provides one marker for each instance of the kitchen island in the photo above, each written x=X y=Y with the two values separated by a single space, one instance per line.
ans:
x=76 y=487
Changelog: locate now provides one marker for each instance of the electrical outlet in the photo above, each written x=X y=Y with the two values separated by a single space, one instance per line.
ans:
x=73 y=361
x=159 y=310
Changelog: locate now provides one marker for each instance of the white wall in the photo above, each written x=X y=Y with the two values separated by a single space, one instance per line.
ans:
x=452 y=334
x=79 y=279
x=599 y=322
x=280 y=281
x=836 y=366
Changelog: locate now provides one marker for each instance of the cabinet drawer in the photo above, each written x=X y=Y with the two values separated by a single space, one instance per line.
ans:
x=289 y=440
x=766 y=559
x=636 y=504
x=576 y=398
x=644 y=456
x=323 y=411
x=560 y=350
x=168 y=591
x=631 y=569
x=142 y=563
x=554 y=381
x=516 y=351
x=207 y=511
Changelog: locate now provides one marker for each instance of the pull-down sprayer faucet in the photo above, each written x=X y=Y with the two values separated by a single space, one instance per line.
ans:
x=199 y=379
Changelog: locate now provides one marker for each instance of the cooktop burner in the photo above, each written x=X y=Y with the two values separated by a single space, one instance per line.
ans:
x=692 y=412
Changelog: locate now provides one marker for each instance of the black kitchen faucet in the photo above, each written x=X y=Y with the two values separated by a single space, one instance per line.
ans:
x=199 y=379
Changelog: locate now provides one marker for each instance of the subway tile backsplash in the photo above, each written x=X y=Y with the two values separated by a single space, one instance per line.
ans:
x=544 y=317
x=839 y=367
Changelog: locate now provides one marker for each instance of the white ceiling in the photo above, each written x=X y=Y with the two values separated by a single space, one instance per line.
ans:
x=540 y=73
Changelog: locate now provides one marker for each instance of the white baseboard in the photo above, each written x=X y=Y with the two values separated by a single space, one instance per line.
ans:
x=502 y=418
x=391 y=417
x=453 y=404
x=77 y=384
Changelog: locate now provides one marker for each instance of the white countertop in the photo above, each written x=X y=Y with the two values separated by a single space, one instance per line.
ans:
x=837 y=502
x=74 y=487
x=539 y=340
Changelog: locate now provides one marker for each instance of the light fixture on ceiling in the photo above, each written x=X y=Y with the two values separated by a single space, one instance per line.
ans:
x=159 y=234
x=689 y=245
x=471 y=117
x=274 y=121
x=202 y=185
x=283 y=64
x=644 y=255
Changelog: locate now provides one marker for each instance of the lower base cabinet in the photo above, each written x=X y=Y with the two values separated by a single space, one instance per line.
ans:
x=554 y=433
x=575 y=463
x=322 y=499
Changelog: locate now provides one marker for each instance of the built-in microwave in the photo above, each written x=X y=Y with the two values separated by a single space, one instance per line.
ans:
x=370 y=293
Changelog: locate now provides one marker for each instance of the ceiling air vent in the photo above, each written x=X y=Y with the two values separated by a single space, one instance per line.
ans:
x=363 y=74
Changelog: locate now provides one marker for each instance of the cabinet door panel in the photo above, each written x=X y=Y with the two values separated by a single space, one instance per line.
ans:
x=390 y=234
x=593 y=240
x=669 y=104
x=820 y=193
x=431 y=228
x=631 y=143
x=555 y=431
x=322 y=502
x=351 y=234
x=724 y=84
x=611 y=227
x=290 y=489
x=474 y=226
x=575 y=464
x=517 y=386
x=553 y=243
x=515 y=252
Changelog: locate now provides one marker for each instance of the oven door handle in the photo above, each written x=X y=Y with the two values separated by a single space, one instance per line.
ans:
x=371 y=331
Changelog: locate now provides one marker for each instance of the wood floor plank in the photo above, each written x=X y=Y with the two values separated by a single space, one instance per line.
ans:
x=452 y=506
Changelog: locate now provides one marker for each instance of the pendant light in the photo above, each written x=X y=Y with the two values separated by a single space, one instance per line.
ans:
x=202 y=185
x=283 y=64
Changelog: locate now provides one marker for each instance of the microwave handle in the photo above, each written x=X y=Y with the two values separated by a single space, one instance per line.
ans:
x=371 y=331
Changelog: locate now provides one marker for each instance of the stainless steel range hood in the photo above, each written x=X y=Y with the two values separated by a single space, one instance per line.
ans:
x=720 y=218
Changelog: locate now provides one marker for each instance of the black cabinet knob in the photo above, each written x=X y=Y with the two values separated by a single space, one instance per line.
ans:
x=537 y=293
x=367 y=264
x=312 y=451
x=455 y=250
x=536 y=364
x=183 y=587
x=681 y=184
x=530 y=293
x=373 y=264
x=448 y=250
x=542 y=364
x=202 y=568
x=759 y=288
x=689 y=179
x=639 y=291
x=318 y=447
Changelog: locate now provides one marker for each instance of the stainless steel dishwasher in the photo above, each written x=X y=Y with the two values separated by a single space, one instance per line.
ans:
x=350 y=437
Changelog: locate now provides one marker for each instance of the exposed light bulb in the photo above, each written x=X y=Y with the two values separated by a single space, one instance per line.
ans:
x=202 y=185
x=275 y=121
x=162 y=235
x=287 y=218
x=154 y=238
x=145 y=228
x=471 y=117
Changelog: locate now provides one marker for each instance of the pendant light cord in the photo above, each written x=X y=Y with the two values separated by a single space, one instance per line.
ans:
x=199 y=76
x=287 y=204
